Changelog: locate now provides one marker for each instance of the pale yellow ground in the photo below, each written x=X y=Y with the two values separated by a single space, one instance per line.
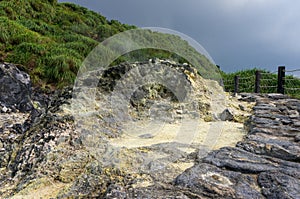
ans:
x=43 y=188
x=191 y=133
x=214 y=135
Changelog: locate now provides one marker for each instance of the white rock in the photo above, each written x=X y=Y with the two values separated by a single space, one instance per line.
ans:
x=4 y=109
x=179 y=111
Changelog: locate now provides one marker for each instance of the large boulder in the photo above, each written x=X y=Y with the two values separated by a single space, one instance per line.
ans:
x=15 y=88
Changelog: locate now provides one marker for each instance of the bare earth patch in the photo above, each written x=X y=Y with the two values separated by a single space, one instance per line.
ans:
x=212 y=134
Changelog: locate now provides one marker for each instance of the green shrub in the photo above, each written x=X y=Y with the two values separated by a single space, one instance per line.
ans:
x=60 y=49
x=27 y=54
x=61 y=69
x=79 y=47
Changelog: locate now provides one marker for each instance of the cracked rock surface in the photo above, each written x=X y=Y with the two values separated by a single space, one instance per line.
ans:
x=48 y=152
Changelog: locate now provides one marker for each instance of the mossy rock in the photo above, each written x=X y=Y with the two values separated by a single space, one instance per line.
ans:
x=208 y=118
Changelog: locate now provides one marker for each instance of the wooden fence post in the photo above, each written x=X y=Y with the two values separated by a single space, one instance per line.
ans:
x=236 y=84
x=257 y=81
x=281 y=79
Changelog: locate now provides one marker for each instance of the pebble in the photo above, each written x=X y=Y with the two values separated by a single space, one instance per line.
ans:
x=4 y=109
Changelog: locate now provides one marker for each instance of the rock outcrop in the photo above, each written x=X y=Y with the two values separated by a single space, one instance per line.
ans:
x=15 y=89
x=44 y=150
x=264 y=165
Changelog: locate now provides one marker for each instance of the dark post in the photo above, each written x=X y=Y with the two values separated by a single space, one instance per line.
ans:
x=281 y=79
x=257 y=81
x=236 y=84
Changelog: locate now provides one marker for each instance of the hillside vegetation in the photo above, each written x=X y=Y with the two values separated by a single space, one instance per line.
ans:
x=52 y=39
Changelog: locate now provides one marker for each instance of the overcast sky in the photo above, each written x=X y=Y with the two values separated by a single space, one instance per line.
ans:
x=237 y=34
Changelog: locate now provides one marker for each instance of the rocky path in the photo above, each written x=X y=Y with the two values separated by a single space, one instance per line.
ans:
x=264 y=165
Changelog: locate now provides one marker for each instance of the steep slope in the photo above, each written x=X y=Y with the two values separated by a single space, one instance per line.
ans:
x=51 y=39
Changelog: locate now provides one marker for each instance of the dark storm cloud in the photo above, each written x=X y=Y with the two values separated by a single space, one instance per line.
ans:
x=237 y=33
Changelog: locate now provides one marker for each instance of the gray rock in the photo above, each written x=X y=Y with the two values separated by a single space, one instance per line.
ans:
x=146 y=136
x=276 y=96
x=210 y=181
x=115 y=191
x=227 y=115
x=278 y=185
x=15 y=88
x=160 y=192
x=242 y=107
x=274 y=147
x=236 y=159
x=297 y=138
x=296 y=124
